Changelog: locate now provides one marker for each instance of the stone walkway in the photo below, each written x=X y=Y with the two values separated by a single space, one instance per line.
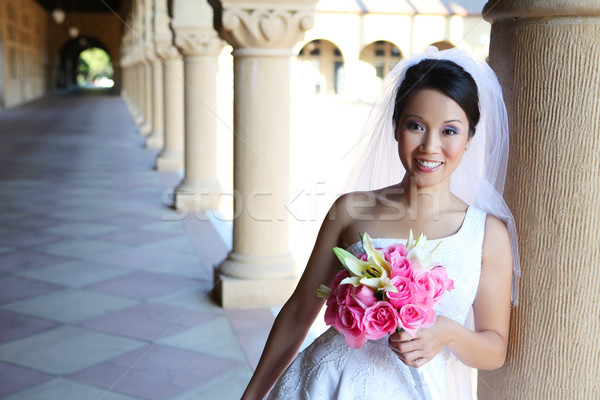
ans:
x=104 y=289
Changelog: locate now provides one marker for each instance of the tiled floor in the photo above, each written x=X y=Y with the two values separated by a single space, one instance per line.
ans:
x=104 y=290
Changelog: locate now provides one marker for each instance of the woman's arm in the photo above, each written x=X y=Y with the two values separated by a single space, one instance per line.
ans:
x=298 y=313
x=484 y=348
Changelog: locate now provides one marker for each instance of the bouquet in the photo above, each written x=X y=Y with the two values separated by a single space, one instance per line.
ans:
x=382 y=291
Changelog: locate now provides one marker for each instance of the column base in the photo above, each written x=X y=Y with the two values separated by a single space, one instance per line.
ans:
x=250 y=267
x=243 y=293
x=138 y=117
x=146 y=128
x=155 y=140
x=169 y=161
x=197 y=195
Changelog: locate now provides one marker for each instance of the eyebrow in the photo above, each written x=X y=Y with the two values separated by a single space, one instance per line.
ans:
x=450 y=120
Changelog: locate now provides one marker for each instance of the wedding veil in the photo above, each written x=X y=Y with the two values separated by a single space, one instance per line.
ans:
x=478 y=180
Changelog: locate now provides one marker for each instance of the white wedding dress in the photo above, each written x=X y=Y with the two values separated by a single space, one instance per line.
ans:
x=329 y=369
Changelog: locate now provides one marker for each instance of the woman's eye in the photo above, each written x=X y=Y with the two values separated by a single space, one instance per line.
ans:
x=413 y=126
x=449 y=132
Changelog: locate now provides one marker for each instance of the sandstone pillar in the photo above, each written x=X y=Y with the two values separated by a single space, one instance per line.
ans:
x=145 y=13
x=155 y=139
x=126 y=87
x=546 y=55
x=134 y=89
x=259 y=270
x=171 y=157
x=141 y=90
x=147 y=101
x=201 y=47
x=162 y=39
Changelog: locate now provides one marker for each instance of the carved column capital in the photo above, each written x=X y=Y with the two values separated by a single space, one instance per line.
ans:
x=508 y=9
x=193 y=40
x=137 y=56
x=150 y=55
x=265 y=27
x=167 y=51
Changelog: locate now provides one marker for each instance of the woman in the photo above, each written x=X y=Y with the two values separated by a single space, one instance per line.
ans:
x=427 y=133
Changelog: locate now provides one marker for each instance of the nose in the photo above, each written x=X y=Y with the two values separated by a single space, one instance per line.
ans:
x=430 y=143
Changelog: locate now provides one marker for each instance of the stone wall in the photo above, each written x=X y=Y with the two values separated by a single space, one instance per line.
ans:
x=23 y=27
x=105 y=28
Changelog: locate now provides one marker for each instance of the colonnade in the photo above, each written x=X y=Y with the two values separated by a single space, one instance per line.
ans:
x=546 y=56
x=170 y=62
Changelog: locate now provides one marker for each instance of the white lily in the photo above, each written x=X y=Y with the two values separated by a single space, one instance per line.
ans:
x=374 y=273
x=420 y=258
x=373 y=254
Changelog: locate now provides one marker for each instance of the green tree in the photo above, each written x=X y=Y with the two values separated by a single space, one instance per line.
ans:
x=94 y=63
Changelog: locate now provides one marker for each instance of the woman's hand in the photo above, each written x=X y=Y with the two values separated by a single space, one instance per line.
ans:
x=428 y=342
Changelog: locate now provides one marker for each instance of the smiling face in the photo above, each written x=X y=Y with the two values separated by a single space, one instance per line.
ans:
x=432 y=133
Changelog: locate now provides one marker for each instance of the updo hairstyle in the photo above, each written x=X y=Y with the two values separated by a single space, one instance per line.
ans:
x=445 y=76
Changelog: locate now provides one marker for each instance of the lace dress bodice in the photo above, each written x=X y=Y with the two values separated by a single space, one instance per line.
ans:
x=329 y=369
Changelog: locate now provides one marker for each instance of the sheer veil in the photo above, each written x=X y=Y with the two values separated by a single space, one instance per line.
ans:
x=479 y=179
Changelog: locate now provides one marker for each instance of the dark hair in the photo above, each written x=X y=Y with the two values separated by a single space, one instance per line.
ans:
x=445 y=76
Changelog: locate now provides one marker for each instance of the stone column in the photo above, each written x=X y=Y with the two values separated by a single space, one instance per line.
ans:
x=141 y=90
x=149 y=58
x=171 y=157
x=201 y=47
x=133 y=68
x=546 y=55
x=132 y=93
x=162 y=38
x=126 y=87
x=147 y=101
x=155 y=139
x=259 y=270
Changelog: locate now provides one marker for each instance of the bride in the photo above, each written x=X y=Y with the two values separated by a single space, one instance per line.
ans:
x=433 y=160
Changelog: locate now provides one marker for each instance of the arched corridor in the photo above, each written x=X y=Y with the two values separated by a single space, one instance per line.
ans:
x=94 y=266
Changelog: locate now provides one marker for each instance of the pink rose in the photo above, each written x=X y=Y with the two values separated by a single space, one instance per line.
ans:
x=350 y=324
x=363 y=296
x=340 y=276
x=443 y=276
x=394 y=251
x=350 y=295
x=331 y=312
x=406 y=291
x=344 y=294
x=413 y=317
x=362 y=256
x=425 y=289
x=442 y=283
x=380 y=319
x=401 y=266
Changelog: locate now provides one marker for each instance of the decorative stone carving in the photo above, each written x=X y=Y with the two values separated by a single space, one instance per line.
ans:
x=196 y=41
x=168 y=52
x=265 y=28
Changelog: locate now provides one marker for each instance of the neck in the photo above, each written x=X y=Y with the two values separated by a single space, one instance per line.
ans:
x=426 y=202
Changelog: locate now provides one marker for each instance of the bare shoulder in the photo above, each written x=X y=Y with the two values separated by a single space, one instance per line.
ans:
x=336 y=220
x=350 y=203
x=496 y=243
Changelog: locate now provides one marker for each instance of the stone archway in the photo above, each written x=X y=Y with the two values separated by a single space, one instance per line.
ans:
x=381 y=55
x=68 y=58
x=324 y=66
